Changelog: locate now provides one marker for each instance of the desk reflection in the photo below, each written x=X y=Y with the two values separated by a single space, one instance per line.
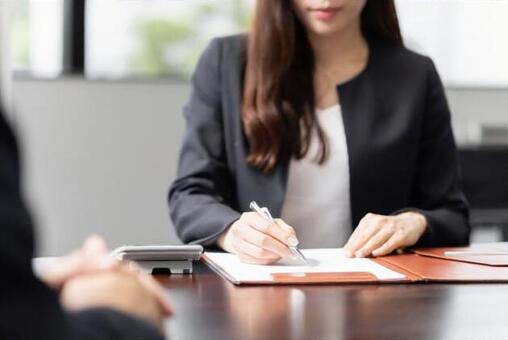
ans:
x=209 y=307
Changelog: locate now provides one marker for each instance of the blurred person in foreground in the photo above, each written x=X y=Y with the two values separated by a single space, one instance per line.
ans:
x=85 y=295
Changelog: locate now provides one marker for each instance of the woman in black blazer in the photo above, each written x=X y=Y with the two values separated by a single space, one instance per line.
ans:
x=256 y=130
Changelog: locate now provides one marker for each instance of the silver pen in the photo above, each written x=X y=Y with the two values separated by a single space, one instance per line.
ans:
x=264 y=212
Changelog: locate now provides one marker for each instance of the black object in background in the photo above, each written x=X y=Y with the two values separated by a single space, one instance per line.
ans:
x=485 y=183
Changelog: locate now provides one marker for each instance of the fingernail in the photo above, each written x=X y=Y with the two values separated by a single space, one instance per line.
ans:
x=285 y=227
x=359 y=254
x=349 y=253
x=292 y=241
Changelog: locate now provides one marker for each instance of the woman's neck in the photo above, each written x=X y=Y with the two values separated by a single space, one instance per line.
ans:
x=338 y=58
x=344 y=48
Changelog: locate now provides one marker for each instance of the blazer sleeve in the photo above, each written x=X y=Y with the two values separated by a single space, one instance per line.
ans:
x=29 y=309
x=200 y=197
x=437 y=191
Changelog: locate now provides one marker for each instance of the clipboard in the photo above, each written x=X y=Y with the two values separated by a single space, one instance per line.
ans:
x=414 y=267
x=327 y=266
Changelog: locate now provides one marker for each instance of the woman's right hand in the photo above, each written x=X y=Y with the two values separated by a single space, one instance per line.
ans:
x=256 y=240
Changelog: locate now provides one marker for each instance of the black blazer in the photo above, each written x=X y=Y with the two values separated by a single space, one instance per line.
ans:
x=28 y=308
x=402 y=153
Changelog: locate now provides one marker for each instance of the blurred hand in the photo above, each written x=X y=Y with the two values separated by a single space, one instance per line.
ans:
x=379 y=235
x=124 y=290
x=92 y=257
x=256 y=240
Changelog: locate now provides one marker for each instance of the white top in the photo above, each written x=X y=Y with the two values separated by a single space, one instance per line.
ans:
x=317 y=202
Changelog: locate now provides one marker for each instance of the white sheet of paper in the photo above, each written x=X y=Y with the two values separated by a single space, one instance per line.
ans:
x=321 y=261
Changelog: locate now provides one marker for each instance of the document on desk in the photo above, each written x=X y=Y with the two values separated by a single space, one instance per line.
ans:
x=325 y=266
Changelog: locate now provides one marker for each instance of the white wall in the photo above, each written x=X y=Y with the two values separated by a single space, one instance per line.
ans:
x=473 y=108
x=99 y=156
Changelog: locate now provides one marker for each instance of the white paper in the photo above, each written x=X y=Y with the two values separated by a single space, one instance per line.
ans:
x=321 y=261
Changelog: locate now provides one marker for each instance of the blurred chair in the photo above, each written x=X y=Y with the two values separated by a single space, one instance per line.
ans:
x=485 y=179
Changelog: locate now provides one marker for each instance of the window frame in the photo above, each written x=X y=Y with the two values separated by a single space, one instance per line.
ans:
x=74 y=37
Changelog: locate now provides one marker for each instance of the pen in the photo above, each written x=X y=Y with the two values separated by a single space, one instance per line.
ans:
x=264 y=212
x=473 y=252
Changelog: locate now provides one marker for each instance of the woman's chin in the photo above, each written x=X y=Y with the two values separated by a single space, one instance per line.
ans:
x=324 y=28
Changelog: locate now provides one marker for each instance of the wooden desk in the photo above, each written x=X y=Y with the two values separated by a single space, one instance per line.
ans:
x=208 y=307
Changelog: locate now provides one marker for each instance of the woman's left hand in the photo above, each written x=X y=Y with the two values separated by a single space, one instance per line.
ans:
x=379 y=235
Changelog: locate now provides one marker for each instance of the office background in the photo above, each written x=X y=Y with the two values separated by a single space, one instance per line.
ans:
x=101 y=143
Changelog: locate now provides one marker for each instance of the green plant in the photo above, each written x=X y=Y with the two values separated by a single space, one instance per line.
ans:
x=171 y=47
x=155 y=36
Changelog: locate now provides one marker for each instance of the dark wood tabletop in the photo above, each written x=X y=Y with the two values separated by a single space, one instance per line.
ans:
x=209 y=307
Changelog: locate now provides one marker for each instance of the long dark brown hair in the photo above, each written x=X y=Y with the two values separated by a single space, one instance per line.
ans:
x=279 y=100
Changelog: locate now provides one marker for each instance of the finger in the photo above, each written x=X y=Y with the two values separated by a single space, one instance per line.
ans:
x=95 y=249
x=107 y=263
x=389 y=246
x=247 y=248
x=264 y=241
x=130 y=267
x=268 y=227
x=90 y=258
x=375 y=242
x=367 y=228
x=95 y=245
x=158 y=292
x=63 y=269
x=92 y=255
x=292 y=239
x=133 y=269
x=354 y=236
x=251 y=260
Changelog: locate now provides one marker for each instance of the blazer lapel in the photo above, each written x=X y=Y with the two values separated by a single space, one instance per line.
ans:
x=361 y=108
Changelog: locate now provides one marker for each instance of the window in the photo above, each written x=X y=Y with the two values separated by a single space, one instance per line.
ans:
x=156 y=37
x=465 y=38
x=37 y=37
x=164 y=38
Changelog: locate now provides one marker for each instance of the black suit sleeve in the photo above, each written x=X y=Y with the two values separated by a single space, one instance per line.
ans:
x=99 y=324
x=437 y=189
x=28 y=308
x=199 y=197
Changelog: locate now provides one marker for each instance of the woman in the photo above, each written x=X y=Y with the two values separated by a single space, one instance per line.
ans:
x=323 y=116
